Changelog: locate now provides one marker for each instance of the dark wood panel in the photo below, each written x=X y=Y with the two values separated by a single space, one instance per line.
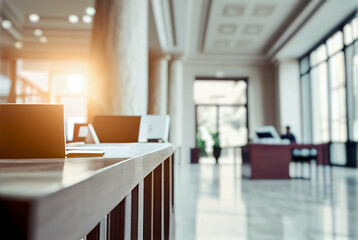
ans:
x=116 y=221
x=134 y=213
x=94 y=234
x=166 y=197
x=172 y=162
x=157 y=202
x=148 y=207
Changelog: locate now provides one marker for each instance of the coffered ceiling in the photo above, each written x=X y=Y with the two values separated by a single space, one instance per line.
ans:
x=194 y=29
x=246 y=27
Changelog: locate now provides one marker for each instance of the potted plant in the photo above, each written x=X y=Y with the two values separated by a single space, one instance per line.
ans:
x=199 y=150
x=216 y=147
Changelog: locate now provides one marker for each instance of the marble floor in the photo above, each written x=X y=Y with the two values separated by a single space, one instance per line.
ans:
x=214 y=202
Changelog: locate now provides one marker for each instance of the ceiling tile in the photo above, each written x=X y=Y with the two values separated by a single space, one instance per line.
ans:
x=234 y=10
x=227 y=29
x=253 y=29
x=243 y=43
x=222 y=43
x=263 y=10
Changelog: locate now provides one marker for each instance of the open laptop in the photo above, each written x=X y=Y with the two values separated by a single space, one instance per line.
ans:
x=154 y=128
x=267 y=135
x=116 y=128
x=32 y=131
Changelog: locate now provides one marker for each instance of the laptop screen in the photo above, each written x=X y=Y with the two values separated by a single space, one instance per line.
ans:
x=117 y=129
x=32 y=131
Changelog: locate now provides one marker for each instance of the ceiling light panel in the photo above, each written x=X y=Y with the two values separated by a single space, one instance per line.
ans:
x=43 y=39
x=91 y=11
x=234 y=10
x=222 y=43
x=6 y=24
x=18 y=45
x=34 y=17
x=253 y=29
x=263 y=10
x=227 y=29
x=73 y=19
x=38 y=32
x=87 y=19
x=244 y=43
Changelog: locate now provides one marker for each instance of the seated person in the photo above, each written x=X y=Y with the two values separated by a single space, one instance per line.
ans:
x=289 y=135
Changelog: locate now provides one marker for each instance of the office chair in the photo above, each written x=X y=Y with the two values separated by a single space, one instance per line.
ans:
x=302 y=156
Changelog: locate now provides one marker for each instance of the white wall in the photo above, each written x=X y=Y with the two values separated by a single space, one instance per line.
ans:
x=261 y=91
x=289 y=97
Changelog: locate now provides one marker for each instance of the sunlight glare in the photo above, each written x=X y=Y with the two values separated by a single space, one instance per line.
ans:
x=75 y=83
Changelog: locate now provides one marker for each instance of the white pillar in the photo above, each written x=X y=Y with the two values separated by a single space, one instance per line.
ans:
x=119 y=58
x=176 y=104
x=158 y=85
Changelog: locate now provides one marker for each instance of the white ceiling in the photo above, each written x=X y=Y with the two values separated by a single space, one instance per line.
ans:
x=327 y=17
x=64 y=38
x=245 y=27
x=255 y=30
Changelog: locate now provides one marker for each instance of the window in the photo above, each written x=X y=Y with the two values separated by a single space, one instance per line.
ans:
x=318 y=55
x=338 y=98
x=304 y=65
x=348 y=34
x=355 y=28
x=335 y=43
x=319 y=96
x=329 y=91
x=306 y=108
x=354 y=96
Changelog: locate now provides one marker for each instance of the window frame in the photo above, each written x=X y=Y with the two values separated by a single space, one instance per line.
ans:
x=323 y=41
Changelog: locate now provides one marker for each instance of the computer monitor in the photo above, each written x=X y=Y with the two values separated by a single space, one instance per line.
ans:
x=154 y=128
x=32 y=131
x=266 y=134
x=116 y=128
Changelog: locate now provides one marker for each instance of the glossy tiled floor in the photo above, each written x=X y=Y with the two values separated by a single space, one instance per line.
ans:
x=214 y=202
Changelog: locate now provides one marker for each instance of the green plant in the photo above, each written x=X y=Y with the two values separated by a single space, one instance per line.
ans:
x=216 y=139
x=200 y=143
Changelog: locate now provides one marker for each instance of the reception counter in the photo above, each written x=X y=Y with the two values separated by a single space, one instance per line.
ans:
x=128 y=193
x=272 y=161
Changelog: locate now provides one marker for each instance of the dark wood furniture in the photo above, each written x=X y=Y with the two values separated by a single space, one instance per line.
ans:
x=128 y=193
x=265 y=161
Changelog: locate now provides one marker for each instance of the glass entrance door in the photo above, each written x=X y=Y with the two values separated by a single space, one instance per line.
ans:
x=221 y=118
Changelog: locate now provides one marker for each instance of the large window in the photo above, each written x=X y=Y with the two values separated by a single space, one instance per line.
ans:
x=338 y=98
x=319 y=95
x=221 y=115
x=329 y=90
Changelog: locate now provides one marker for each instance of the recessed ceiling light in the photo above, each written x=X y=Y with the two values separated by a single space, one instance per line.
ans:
x=38 y=32
x=91 y=11
x=6 y=24
x=43 y=39
x=34 y=17
x=87 y=19
x=18 y=45
x=73 y=19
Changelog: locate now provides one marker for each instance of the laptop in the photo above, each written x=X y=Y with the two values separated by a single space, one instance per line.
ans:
x=154 y=128
x=267 y=135
x=116 y=128
x=32 y=131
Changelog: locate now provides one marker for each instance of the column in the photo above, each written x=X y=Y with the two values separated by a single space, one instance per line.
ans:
x=13 y=77
x=118 y=67
x=158 y=85
x=176 y=104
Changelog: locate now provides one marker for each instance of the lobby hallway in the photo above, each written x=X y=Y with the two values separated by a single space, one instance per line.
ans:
x=214 y=202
